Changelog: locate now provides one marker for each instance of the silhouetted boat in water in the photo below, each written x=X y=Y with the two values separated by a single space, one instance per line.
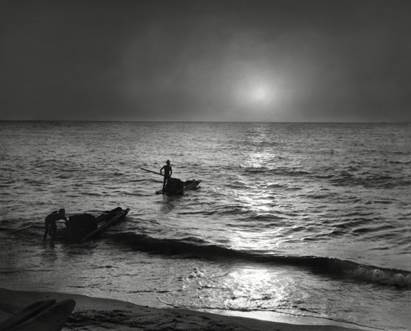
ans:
x=176 y=186
x=83 y=227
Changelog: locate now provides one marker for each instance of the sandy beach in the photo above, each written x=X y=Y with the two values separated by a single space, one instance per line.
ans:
x=107 y=314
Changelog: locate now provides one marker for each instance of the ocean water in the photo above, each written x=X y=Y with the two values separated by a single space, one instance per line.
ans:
x=301 y=219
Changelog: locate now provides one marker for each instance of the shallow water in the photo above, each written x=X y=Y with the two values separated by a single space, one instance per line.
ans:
x=304 y=219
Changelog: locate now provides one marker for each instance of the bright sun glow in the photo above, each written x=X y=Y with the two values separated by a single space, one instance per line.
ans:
x=256 y=93
x=261 y=94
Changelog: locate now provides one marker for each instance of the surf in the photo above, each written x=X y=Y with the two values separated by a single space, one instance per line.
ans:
x=200 y=249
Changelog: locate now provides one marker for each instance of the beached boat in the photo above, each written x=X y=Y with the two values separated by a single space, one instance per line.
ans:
x=83 y=227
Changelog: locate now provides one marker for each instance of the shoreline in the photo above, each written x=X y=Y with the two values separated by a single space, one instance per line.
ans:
x=93 y=313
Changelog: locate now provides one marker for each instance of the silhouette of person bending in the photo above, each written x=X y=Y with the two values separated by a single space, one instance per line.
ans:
x=168 y=171
x=51 y=225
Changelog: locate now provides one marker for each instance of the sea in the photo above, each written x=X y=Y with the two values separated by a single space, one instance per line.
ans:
x=299 y=219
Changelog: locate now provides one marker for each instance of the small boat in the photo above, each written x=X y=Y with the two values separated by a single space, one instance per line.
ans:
x=176 y=186
x=192 y=184
x=107 y=220
x=83 y=227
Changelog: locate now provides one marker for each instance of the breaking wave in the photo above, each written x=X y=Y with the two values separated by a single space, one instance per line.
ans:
x=188 y=248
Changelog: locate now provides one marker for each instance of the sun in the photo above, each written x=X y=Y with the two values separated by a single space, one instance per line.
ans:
x=260 y=94
x=254 y=92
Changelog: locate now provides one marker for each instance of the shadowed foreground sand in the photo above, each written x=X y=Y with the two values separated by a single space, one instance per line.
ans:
x=107 y=314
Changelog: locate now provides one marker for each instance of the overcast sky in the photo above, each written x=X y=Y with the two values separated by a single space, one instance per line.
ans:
x=206 y=60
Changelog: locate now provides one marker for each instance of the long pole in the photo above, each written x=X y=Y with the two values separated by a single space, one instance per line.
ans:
x=154 y=172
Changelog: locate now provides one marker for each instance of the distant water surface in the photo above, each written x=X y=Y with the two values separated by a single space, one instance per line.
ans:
x=302 y=219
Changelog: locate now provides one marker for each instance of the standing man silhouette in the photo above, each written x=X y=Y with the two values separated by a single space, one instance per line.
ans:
x=168 y=171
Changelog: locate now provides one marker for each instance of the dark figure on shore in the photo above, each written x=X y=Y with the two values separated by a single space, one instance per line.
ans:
x=51 y=225
x=168 y=171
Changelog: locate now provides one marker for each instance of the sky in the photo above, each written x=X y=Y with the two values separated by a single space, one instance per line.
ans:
x=204 y=60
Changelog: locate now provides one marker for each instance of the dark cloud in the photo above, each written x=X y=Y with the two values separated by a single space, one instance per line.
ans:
x=188 y=60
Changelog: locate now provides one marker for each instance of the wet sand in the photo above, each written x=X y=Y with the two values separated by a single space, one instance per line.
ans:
x=107 y=314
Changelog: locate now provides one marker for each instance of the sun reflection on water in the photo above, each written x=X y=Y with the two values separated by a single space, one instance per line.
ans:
x=252 y=286
x=242 y=288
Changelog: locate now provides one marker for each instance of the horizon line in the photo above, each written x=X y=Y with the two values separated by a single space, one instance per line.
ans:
x=202 y=121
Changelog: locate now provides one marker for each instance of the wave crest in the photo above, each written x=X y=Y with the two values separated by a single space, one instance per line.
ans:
x=188 y=248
